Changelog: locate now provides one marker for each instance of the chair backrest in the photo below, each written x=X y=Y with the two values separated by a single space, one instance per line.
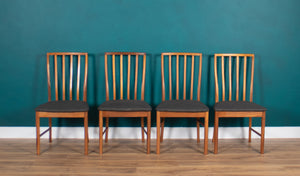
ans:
x=187 y=57
x=72 y=63
x=240 y=62
x=129 y=56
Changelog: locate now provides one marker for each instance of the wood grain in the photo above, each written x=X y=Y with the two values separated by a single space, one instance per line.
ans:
x=177 y=77
x=78 y=76
x=192 y=78
x=121 y=77
x=128 y=78
x=136 y=76
x=170 y=77
x=127 y=157
x=237 y=77
x=71 y=77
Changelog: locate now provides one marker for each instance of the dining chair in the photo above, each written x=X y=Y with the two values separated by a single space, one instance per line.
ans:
x=65 y=105
x=181 y=106
x=121 y=105
x=240 y=107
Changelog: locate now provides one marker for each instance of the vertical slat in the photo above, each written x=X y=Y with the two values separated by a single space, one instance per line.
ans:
x=170 y=77
x=136 y=76
x=63 y=77
x=199 y=77
x=55 y=74
x=237 y=77
x=143 y=79
x=106 y=78
x=78 y=77
x=114 y=75
x=192 y=78
x=85 y=78
x=71 y=77
x=216 y=80
x=162 y=81
x=245 y=75
x=48 y=76
x=128 y=79
x=252 y=77
x=177 y=77
x=230 y=79
x=184 y=78
x=121 y=77
x=223 y=79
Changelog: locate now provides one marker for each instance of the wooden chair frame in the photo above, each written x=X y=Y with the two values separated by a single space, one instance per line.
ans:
x=108 y=114
x=230 y=114
x=161 y=115
x=51 y=115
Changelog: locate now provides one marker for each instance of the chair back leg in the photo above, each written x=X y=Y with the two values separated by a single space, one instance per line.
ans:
x=106 y=129
x=142 y=129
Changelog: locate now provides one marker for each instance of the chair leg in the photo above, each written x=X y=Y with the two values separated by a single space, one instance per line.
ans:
x=157 y=132
x=142 y=129
x=216 y=133
x=148 y=132
x=250 y=126
x=263 y=123
x=206 y=133
x=50 y=129
x=198 y=130
x=106 y=126
x=37 y=124
x=162 y=129
x=86 y=135
x=100 y=132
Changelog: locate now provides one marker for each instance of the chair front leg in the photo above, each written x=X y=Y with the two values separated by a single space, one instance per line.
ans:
x=50 y=129
x=263 y=123
x=206 y=133
x=157 y=132
x=100 y=132
x=37 y=124
x=216 y=133
x=86 y=135
x=198 y=130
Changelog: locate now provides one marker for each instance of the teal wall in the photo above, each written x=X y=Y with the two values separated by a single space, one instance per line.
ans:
x=268 y=28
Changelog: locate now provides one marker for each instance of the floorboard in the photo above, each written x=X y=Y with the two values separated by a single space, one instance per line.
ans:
x=128 y=157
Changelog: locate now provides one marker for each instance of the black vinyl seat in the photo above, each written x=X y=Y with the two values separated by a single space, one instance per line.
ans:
x=63 y=106
x=125 y=105
x=238 y=106
x=182 y=106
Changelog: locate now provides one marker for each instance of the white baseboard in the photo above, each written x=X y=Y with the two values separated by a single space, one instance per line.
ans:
x=135 y=132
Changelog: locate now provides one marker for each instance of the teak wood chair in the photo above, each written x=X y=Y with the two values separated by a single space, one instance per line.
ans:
x=72 y=108
x=181 y=108
x=228 y=108
x=129 y=106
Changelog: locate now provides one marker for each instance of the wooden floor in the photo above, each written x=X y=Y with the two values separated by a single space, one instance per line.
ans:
x=128 y=157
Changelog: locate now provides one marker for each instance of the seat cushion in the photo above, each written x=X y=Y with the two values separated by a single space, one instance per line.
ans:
x=63 y=106
x=182 y=106
x=238 y=106
x=125 y=105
